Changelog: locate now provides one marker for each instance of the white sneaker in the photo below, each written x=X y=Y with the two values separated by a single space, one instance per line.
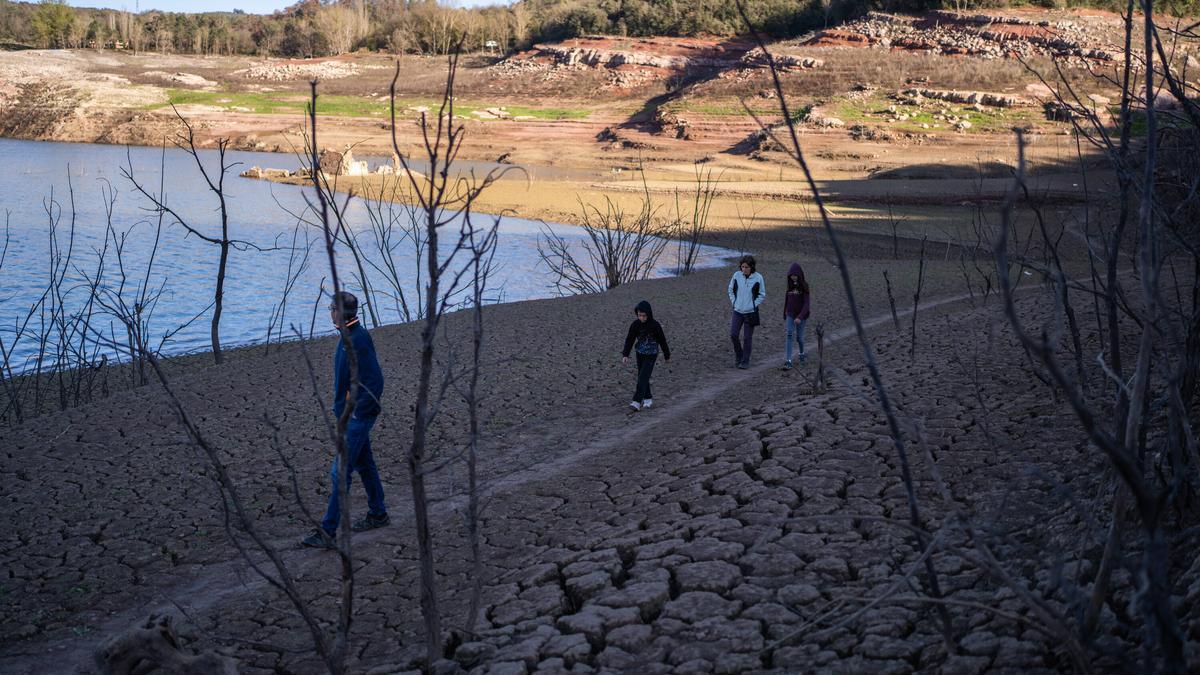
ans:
x=635 y=405
x=647 y=403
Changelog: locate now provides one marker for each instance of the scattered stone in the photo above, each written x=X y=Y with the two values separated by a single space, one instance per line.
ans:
x=712 y=549
x=155 y=645
x=959 y=664
x=594 y=620
x=187 y=79
x=508 y=668
x=630 y=638
x=967 y=97
x=981 y=643
x=587 y=586
x=886 y=648
x=647 y=597
x=526 y=650
x=570 y=648
x=712 y=575
x=733 y=664
x=798 y=595
x=616 y=658
x=698 y=605
x=470 y=654
x=321 y=70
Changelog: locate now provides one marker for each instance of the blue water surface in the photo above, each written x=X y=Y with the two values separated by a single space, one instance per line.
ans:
x=44 y=183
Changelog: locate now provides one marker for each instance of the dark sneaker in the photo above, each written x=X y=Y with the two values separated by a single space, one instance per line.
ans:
x=737 y=362
x=370 y=522
x=318 y=539
x=744 y=365
x=787 y=365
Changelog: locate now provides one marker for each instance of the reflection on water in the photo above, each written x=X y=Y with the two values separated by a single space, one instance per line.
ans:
x=36 y=194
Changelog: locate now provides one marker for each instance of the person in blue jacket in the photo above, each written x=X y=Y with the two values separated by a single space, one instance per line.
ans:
x=358 y=428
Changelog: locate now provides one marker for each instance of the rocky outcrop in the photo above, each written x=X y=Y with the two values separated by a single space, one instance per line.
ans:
x=612 y=58
x=334 y=163
x=187 y=79
x=671 y=124
x=966 y=97
x=268 y=173
x=280 y=72
x=155 y=647
x=756 y=59
x=979 y=35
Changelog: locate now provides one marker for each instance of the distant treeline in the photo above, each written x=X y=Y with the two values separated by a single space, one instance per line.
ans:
x=314 y=28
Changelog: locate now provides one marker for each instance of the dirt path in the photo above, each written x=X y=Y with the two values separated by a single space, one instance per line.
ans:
x=214 y=585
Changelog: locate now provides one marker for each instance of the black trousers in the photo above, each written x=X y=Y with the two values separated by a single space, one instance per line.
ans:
x=645 y=364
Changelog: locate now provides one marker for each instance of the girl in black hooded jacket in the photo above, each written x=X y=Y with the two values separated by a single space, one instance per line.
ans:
x=646 y=337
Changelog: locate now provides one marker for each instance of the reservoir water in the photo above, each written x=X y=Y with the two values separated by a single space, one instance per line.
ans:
x=68 y=188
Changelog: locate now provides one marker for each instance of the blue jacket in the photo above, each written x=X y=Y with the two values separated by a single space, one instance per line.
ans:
x=370 y=376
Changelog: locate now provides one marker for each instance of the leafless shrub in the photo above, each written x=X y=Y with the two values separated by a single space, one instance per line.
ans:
x=912 y=350
x=395 y=223
x=690 y=225
x=1138 y=420
x=55 y=331
x=619 y=247
x=821 y=380
x=298 y=263
x=483 y=247
x=891 y=300
x=446 y=201
x=215 y=181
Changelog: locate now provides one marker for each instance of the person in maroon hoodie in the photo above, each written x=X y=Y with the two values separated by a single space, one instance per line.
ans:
x=795 y=312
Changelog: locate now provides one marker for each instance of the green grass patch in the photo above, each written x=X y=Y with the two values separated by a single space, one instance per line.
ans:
x=801 y=114
x=283 y=103
x=546 y=113
x=278 y=103
x=924 y=118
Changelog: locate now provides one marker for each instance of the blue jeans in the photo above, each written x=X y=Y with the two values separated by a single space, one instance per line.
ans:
x=798 y=331
x=358 y=442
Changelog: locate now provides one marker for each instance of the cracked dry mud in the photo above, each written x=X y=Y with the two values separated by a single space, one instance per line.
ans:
x=744 y=512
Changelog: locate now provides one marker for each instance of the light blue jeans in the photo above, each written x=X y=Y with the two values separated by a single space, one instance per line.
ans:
x=798 y=331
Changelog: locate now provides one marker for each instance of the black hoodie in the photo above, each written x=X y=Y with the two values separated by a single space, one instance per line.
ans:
x=647 y=334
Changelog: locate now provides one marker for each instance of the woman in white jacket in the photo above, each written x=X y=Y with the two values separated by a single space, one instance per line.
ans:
x=747 y=290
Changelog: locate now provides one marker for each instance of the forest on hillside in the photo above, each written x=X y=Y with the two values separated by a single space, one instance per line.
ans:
x=314 y=28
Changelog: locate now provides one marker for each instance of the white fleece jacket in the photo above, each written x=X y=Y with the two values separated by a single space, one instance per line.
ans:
x=742 y=293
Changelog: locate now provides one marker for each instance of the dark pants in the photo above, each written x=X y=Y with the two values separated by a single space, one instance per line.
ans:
x=740 y=323
x=358 y=441
x=645 y=364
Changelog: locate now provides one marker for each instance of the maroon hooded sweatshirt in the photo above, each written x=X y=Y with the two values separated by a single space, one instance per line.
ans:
x=796 y=303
